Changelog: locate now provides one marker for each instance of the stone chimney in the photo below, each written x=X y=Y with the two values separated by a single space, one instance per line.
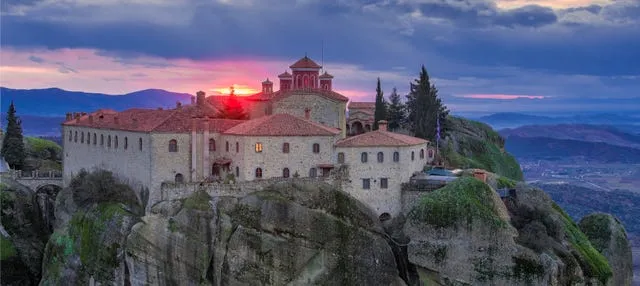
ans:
x=178 y=105
x=90 y=119
x=307 y=114
x=193 y=99
x=76 y=115
x=200 y=98
x=115 y=120
x=134 y=122
x=382 y=125
x=68 y=116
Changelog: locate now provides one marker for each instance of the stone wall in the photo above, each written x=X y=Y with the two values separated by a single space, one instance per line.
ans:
x=325 y=111
x=130 y=163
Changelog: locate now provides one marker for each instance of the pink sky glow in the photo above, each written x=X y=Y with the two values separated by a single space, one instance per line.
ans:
x=502 y=96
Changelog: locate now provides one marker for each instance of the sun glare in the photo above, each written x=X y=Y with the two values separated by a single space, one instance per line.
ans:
x=237 y=90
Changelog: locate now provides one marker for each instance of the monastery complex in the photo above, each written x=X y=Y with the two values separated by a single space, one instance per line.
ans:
x=301 y=130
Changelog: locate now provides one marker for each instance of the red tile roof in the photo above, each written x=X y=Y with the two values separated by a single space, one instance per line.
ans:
x=281 y=125
x=305 y=62
x=280 y=94
x=380 y=138
x=325 y=75
x=362 y=105
x=285 y=74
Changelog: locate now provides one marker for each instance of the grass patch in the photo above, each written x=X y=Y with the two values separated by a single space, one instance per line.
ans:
x=42 y=148
x=198 y=201
x=7 y=250
x=594 y=264
x=459 y=202
x=597 y=228
x=505 y=183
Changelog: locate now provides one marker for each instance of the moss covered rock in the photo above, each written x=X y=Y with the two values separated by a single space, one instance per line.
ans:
x=609 y=237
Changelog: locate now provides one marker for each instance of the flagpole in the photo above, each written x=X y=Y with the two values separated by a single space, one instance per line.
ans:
x=437 y=135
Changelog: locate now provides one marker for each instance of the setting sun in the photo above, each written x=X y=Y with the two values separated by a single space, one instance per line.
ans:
x=237 y=88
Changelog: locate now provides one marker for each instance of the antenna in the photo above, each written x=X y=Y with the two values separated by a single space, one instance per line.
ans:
x=322 y=57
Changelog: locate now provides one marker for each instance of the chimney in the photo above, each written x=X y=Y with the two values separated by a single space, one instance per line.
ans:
x=200 y=97
x=68 y=116
x=307 y=114
x=135 y=122
x=193 y=99
x=77 y=119
x=115 y=119
x=178 y=105
x=90 y=118
x=382 y=125
x=159 y=108
x=76 y=115
x=84 y=113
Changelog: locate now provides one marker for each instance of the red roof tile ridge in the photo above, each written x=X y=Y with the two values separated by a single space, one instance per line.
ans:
x=353 y=141
x=163 y=121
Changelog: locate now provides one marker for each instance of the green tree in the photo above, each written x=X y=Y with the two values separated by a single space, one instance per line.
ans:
x=396 y=111
x=381 y=107
x=425 y=107
x=232 y=108
x=13 y=149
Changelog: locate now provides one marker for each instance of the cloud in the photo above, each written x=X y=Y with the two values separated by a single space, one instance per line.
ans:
x=36 y=59
x=502 y=96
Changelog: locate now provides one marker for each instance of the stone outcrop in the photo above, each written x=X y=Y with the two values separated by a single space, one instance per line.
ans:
x=608 y=236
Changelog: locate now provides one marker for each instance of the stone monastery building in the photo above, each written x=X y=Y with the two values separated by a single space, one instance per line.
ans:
x=297 y=131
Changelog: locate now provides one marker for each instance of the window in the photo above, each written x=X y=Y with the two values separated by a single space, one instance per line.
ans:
x=173 y=145
x=384 y=183
x=95 y=136
x=258 y=172
x=115 y=142
x=212 y=145
x=313 y=172
x=75 y=137
x=380 y=157
x=237 y=172
x=126 y=143
x=101 y=139
x=413 y=155
x=70 y=135
x=396 y=157
x=285 y=172
x=363 y=157
x=140 y=144
x=421 y=153
x=179 y=178
x=430 y=153
x=285 y=148
x=237 y=147
x=366 y=184
x=316 y=148
x=226 y=146
x=82 y=137
x=109 y=141
x=258 y=147
x=88 y=138
x=341 y=158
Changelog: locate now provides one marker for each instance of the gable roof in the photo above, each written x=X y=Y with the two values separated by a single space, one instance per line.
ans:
x=305 y=62
x=285 y=74
x=380 y=138
x=281 y=125
x=329 y=94
x=362 y=105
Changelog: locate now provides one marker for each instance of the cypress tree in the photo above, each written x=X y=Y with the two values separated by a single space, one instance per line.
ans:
x=396 y=111
x=424 y=107
x=232 y=108
x=381 y=107
x=13 y=150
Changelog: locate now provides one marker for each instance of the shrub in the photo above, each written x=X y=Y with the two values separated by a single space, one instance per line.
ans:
x=102 y=187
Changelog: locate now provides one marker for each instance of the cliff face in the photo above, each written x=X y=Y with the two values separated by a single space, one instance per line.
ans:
x=289 y=233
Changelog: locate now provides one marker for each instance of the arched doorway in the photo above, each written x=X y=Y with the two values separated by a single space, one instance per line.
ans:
x=45 y=199
x=179 y=178
x=357 y=128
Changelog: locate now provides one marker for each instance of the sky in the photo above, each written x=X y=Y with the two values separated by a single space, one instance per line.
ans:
x=482 y=55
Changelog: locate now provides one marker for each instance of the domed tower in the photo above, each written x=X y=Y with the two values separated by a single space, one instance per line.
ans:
x=286 y=81
x=305 y=73
x=267 y=87
x=325 y=81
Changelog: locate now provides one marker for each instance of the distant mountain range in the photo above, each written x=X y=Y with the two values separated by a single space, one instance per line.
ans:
x=55 y=102
x=549 y=148
x=580 y=132
x=627 y=123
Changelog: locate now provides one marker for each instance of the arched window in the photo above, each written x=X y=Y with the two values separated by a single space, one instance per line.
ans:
x=115 y=142
x=258 y=172
x=82 y=137
x=430 y=153
x=413 y=155
x=140 y=144
x=212 y=145
x=109 y=141
x=126 y=143
x=101 y=139
x=285 y=148
x=396 y=157
x=237 y=172
x=179 y=178
x=313 y=172
x=421 y=153
x=70 y=135
x=316 y=148
x=75 y=137
x=173 y=145
x=380 y=157
x=88 y=138
x=341 y=158
x=258 y=147
x=285 y=172
x=226 y=146
x=363 y=157
x=237 y=147
x=95 y=141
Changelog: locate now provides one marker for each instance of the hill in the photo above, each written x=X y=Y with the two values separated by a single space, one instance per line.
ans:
x=59 y=101
x=627 y=123
x=580 y=132
x=549 y=148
